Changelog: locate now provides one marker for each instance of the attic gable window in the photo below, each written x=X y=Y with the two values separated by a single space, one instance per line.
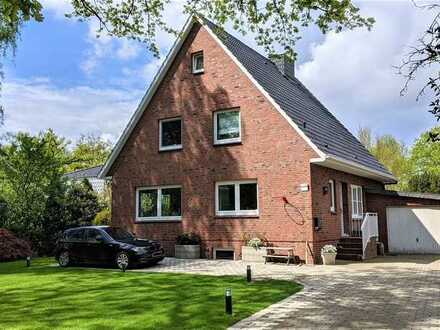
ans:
x=227 y=126
x=197 y=62
x=170 y=134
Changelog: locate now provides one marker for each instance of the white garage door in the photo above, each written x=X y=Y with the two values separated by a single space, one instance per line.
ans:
x=413 y=229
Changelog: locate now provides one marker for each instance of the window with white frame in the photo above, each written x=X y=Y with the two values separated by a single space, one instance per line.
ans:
x=227 y=126
x=170 y=134
x=236 y=198
x=197 y=62
x=356 y=202
x=331 y=184
x=158 y=203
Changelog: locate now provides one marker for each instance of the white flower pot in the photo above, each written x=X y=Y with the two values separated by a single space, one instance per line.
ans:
x=187 y=251
x=252 y=254
x=328 y=258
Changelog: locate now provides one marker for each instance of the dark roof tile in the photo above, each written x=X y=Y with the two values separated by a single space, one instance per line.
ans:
x=322 y=128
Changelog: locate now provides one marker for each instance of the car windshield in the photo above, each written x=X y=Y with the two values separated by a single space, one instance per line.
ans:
x=118 y=233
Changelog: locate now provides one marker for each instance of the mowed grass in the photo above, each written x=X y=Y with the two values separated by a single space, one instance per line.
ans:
x=45 y=296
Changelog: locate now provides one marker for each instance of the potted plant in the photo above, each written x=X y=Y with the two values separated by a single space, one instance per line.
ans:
x=254 y=250
x=328 y=254
x=187 y=246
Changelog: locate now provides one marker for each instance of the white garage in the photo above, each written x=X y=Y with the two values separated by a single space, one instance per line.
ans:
x=413 y=229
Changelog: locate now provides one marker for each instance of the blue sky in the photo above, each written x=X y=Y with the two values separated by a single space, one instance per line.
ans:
x=65 y=78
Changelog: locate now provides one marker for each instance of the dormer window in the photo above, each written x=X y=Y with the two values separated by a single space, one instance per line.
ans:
x=170 y=134
x=197 y=63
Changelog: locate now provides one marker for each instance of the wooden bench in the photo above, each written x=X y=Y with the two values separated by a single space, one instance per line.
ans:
x=271 y=253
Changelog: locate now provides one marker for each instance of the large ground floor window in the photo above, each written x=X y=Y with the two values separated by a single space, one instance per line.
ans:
x=158 y=203
x=236 y=198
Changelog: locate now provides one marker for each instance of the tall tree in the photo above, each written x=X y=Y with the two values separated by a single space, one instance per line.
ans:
x=31 y=168
x=277 y=22
x=390 y=152
x=425 y=57
x=424 y=164
x=88 y=152
x=365 y=137
x=35 y=201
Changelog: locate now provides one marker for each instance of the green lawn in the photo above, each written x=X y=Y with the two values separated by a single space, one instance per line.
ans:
x=46 y=297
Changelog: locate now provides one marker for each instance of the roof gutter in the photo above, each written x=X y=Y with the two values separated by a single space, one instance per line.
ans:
x=344 y=165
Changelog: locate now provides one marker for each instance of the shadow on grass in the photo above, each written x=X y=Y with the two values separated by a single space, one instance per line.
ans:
x=49 y=297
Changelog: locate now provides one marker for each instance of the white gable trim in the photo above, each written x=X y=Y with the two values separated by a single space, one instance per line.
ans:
x=147 y=97
x=347 y=166
x=266 y=94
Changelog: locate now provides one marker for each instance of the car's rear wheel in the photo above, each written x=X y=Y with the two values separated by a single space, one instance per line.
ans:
x=64 y=259
x=122 y=260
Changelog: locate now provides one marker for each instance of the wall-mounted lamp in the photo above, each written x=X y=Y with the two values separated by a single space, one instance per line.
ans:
x=325 y=190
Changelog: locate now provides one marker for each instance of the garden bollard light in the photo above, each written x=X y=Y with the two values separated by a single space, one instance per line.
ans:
x=28 y=261
x=249 y=273
x=228 y=301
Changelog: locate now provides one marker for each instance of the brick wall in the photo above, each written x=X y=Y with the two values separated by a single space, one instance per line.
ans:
x=378 y=203
x=271 y=152
x=331 y=223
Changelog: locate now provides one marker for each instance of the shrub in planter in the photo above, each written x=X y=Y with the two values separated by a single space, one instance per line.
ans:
x=12 y=248
x=254 y=250
x=187 y=246
x=328 y=254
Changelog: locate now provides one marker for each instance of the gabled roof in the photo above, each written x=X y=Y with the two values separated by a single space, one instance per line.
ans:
x=92 y=172
x=335 y=145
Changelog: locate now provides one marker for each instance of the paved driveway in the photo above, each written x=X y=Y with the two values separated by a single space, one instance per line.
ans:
x=388 y=292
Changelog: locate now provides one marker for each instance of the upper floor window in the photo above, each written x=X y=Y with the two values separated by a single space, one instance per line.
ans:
x=227 y=126
x=357 y=202
x=236 y=198
x=159 y=203
x=331 y=184
x=197 y=62
x=170 y=134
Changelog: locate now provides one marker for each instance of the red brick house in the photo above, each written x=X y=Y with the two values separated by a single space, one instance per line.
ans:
x=228 y=143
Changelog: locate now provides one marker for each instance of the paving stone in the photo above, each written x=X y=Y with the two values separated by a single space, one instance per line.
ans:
x=384 y=293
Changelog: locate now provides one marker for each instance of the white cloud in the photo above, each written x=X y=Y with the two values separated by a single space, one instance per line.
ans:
x=106 y=46
x=58 y=7
x=352 y=72
x=101 y=47
x=128 y=50
x=35 y=105
x=152 y=67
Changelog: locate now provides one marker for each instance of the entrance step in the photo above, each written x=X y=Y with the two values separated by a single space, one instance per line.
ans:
x=350 y=248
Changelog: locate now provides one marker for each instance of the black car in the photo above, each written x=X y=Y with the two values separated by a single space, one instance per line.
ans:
x=107 y=245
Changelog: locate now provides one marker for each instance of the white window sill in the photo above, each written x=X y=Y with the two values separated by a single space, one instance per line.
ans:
x=159 y=219
x=198 y=71
x=236 y=214
x=227 y=141
x=356 y=217
x=170 y=148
